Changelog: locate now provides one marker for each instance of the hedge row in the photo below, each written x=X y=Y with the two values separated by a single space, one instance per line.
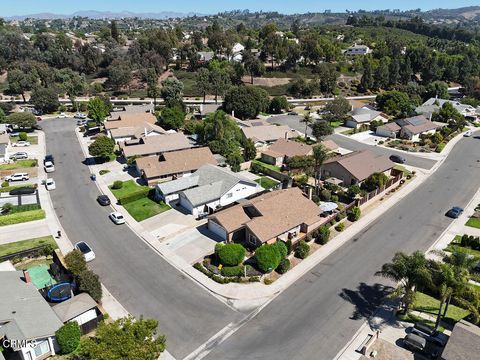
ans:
x=137 y=195
x=220 y=279
x=22 y=217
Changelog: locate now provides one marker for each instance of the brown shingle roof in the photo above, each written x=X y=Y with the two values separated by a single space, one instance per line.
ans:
x=418 y=129
x=126 y=119
x=158 y=144
x=176 y=162
x=362 y=164
x=390 y=126
x=330 y=145
x=280 y=211
x=136 y=131
x=464 y=342
x=289 y=148
x=268 y=133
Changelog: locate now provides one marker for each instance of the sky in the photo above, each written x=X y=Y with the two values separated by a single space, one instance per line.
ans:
x=24 y=7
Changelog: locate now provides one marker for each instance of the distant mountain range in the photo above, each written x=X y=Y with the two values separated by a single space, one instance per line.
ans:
x=92 y=14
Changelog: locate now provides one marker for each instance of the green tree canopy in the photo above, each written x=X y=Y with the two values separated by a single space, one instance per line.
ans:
x=98 y=110
x=75 y=262
x=90 y=283
x=278 y=104
x=172 y=118
x=268 y=257
x=337 y=109
x=45 y=99
x=321 y=128
x=375 y=181
x=396 y=103
x=23 y=120
x=172 y=92
x=246 y=101
x=102 y=147
x=249 y=150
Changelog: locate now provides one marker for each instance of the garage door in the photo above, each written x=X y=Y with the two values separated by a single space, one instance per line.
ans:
x=217 y=229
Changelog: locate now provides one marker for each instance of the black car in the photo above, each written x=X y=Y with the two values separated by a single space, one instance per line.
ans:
x=398 y=159
x=49 y=158
x=103 y=200
x=23 y=191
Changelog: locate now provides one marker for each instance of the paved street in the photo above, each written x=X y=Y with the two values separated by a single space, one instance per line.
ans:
x=344 y=142
x=140 y=279
x=317 y=316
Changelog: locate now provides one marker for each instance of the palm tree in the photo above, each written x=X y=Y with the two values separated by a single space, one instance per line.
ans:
x=410 y=271
x=307 y=120
x=320 y=154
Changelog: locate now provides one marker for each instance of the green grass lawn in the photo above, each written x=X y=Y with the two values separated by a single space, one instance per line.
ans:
x=336 y=124
x=129 y=187
x=403 y=169
x=268 y=166
x=19 y=164
x=15 y=247
x=10 y=188
x=21 y=217
x=473 y=222
x=31 y=139
x=145 y=208
x=266 y=182
x=411 y=318
x=430 y=305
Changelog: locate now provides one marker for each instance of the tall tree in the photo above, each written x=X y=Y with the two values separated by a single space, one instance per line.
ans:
x=366 y=82
x=219 y=81
x=19 y=82
x=307 y=120
x=153 y=89
x=172 y=92
x=114 y=30
x=321 y=128
x=202 y=82
x=97 y=109
x=320 y=154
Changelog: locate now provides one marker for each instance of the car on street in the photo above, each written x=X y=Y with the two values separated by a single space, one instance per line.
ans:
x=50 y=184
x=80 y=116
x=17 y=177
x=454 y=212
x=468 y=133
x=103 y=200
x=21 y=143
x=48 y=158
x=62 y=115
x=81 y=122
x=49 y=167
x=398 y=159
x=292 y=113
x=117 y=218
x=86 y=250
x=23 y=191
x=21 y=155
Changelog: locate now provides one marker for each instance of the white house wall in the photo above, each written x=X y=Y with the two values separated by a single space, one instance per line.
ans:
x=85 y=317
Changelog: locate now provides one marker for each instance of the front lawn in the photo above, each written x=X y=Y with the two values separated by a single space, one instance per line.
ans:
x=21 y=217
x=411 y=318
x=266 y=182
x=145 y=208
x=129 y=187
x=19 y=164
x=23 y=245
x=473 y=222
x=31 y=139
x=430 y=305
x=267 y=166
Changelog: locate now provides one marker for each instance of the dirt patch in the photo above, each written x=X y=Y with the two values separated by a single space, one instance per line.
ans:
x=268 y=82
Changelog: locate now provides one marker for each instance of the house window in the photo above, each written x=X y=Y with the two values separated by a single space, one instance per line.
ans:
x=252 y=239
x=42 y=348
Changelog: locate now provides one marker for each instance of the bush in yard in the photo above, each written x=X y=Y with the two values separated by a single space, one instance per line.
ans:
x=230 y=254
x=102 y=147
x=117 y=184
x=137 y=195
x=354 y=214
x=233 y=271
x=23 y=136
x=340 y=227
x=75 y=262
x=284 y=266
x=90 y=283
x=440 y=147
x=323 y=235
x=302 y=250
x=48 y=250
x=340 y=216
x=7 y=208
x=325 y=195
x=282 y=247
x=68 y=337
x=268 y=257
x=288 y=243
x=5 y=184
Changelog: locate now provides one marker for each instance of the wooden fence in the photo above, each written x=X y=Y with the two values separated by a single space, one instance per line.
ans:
x=380 y=190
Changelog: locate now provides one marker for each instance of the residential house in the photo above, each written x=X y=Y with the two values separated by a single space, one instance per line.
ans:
x=331 y=146
x=282 y=214
x=433 y=105
x=355 y=167
x=464 y=342
x=267 y=134
x=390 y=130
x=205 y=109
x=364 y=116
x=174 y=164
x=135 y=132
x=123 y=126
x=205 y=56
x=27 y=323
x=207 y=190
x=237 y=52
x=155 y=145
x=81 y=309
x=357 y=49
x=4 y=143
x=281 y=150
x=413 y=127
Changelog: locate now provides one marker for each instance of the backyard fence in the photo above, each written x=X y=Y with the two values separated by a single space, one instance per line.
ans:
x=30 y=253
x=380 y=190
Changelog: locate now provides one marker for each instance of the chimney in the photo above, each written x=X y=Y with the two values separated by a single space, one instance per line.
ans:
x=310 y=192
x=286 y=135
x=145 y=129
x=26 y=276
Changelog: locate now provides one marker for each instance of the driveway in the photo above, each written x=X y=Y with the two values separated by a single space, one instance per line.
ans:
x=169 y=223
x=291 y=120
x=142 y=281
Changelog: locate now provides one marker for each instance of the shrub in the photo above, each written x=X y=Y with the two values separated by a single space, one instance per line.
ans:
x=68 y=337
x=440 y=147
x=325 y=195
x=5 y=184
x=268 y=257
x=268 y=281
x=288 y=243
x=230 y=254
x=233 y=271
x=340 y=216
x=75 y=262
x=48 y=249
x=323 y=235
x=334 y=198
x=22 y=136
x=117 y=184
x=284 y=266
x=302 y=250
x=7 y=208
x=137 y=195
x=354 y=214
x=340 y=227
x=90 y=283
x=103 y=172
x=316 y=199
x=282 y=247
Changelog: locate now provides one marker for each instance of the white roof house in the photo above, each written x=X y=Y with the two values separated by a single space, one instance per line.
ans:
x=433 y=105
x=365 y=115
x=356 y=49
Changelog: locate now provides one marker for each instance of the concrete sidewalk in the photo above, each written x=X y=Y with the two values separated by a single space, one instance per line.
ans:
x=24 y=231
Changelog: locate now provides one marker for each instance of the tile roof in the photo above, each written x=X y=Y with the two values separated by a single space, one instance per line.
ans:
x=289 y=148
x=464 y=342
x=175 y=162
x=279 y=212
x=74 y=307
x=268 y=133
x=362 y=164
x=157 y=144
x=23 y=308
x=126 y=119
x=390 y=126
x=136 y=131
